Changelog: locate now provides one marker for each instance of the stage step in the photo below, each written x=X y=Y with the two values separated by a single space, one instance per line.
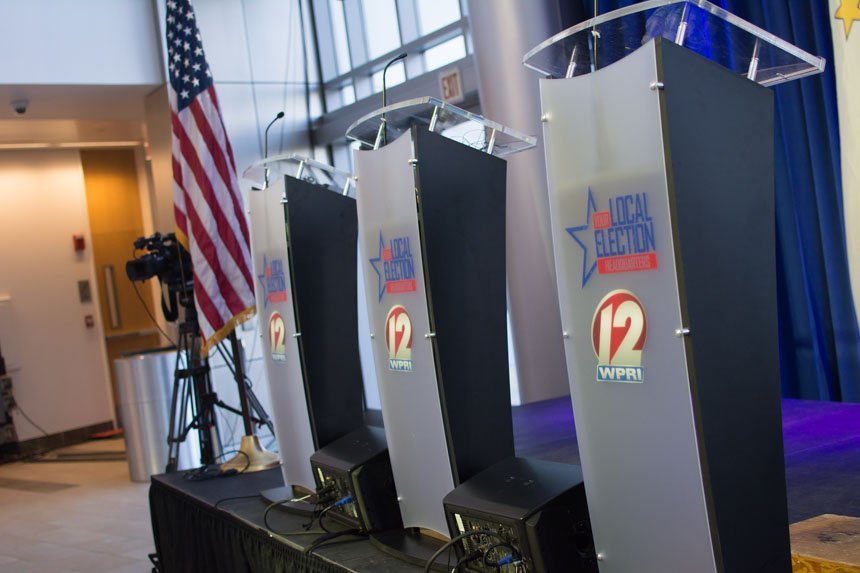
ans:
x=826 y=544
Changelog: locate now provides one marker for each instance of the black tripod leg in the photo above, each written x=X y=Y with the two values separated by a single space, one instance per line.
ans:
x=256 y=406
x=172 y=441
x=241 y=384
x=205 y=415
x=258 y=409
x=192 y=391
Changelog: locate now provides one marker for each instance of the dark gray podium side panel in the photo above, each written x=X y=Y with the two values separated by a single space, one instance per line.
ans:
x=718 y=135
x=322 y=233
x=461 y=194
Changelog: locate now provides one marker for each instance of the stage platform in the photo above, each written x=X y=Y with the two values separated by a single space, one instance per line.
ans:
x=822 y=453
x=822 y=450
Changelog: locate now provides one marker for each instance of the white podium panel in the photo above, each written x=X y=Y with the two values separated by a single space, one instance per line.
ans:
x=278 y=325
x=399 y=320
x=620 y=310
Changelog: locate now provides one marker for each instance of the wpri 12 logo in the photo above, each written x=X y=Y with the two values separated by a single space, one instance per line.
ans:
x=277 y=337
x=398 y=339
x=618 y=332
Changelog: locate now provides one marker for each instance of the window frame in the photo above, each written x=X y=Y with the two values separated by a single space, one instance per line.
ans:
x=330 y=127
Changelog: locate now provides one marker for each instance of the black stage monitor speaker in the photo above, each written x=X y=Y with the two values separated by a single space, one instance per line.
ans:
x=536 y=511
x=355 y=474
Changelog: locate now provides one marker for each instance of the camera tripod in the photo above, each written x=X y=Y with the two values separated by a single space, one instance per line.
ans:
x=194 y=395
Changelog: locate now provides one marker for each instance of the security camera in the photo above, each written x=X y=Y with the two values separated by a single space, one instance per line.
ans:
x=20 y=106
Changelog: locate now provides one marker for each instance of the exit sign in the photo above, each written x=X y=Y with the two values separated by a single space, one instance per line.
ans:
x=451 y=85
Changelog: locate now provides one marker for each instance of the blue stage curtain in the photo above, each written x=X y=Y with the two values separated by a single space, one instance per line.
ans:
x=819 y=340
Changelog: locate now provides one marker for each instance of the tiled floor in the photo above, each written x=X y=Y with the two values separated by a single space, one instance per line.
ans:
x=100 y=524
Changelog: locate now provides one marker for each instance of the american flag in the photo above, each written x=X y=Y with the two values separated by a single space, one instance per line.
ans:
x=208 y=207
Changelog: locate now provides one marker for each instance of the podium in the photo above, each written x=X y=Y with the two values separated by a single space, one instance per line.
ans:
x=431 y=210
x=303 y=242
x=659 y=152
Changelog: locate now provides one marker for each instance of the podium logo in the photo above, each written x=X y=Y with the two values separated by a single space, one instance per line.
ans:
x=394 y=266
x=274 y=281
x=398 y=339
x=618 y=239
x=618 y=332
x=277 y=337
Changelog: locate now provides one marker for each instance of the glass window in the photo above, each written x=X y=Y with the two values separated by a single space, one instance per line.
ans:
x=435 y=14
x=347 y=94
x=360 y=36
x=381 y=27
x=316 y=102
x=336 y=97
x=445 y=53
x=332 y=99
x=341 y=44
x=342 y=155
x=396 y=75
x=320 y=153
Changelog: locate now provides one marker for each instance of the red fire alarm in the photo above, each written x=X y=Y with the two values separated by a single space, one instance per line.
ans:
x=78 y=241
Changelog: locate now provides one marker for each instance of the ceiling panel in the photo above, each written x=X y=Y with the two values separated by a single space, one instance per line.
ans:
x=68 y=114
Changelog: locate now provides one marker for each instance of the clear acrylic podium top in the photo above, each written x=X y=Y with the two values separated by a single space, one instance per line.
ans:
x=386 y=124
x=300 y=167
x=700 y=26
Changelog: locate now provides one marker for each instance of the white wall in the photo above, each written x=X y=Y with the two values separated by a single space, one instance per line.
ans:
x=160 y=166
x=62 y=380
x=110 y=42
x=254 y=50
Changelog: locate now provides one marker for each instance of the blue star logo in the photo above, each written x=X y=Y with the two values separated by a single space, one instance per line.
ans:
x=375 y=262
x=262 y=279
x=587 y=268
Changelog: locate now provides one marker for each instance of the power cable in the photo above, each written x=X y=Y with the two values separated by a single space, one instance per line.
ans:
x=226 y=499
x=454 y=540
x=15 y=406
x=150 y=315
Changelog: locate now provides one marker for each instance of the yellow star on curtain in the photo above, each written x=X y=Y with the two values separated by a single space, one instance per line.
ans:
x=848 y=11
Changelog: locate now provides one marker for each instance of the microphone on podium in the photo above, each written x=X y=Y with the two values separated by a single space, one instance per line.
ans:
x=384 y=72
x=266 y=145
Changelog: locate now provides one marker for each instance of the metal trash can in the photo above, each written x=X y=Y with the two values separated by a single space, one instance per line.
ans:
x=144 y=382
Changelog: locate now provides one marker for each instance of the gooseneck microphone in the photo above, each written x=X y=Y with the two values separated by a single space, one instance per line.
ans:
x=266 y=145
x=384 y=72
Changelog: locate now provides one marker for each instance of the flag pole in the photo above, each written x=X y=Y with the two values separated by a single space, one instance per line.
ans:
x=239 y=373
x=251 y=457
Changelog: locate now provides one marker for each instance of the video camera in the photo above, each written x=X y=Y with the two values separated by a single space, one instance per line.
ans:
x=168 y=260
